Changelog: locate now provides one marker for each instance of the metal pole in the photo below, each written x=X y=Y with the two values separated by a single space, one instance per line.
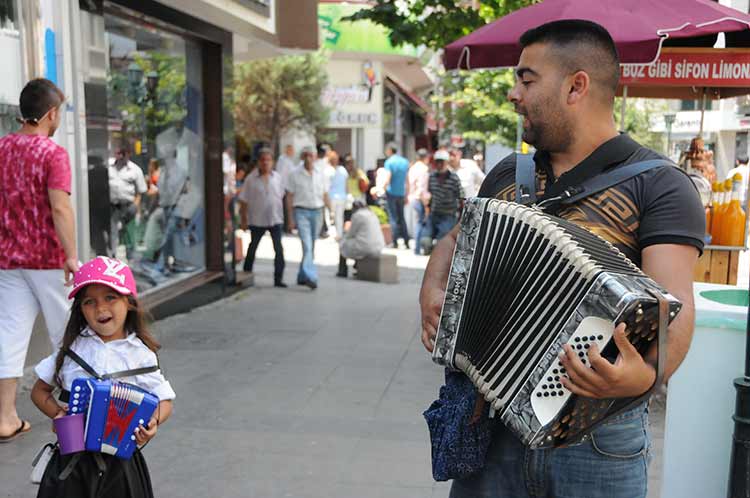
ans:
x=622 y=107
x=703 y=111
x=739 y=466
x=519 y=132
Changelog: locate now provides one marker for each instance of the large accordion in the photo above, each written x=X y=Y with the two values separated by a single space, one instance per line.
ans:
x=113 y=412
x=522 y=284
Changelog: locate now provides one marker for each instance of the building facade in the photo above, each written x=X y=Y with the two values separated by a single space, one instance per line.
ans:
x=147 y=118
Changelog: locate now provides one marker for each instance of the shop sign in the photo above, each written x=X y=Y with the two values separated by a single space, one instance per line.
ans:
x=712 y=67
x=334 y=96
x=354 y=118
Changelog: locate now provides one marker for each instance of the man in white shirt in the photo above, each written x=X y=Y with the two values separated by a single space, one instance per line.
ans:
x=126 y=186
x=323 y=164
x=742 y=169
x=416 y=191
x=468 y=172
x=262 y=210
x=307 y=195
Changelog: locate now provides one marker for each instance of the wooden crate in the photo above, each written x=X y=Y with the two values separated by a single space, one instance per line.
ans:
x=718 y=266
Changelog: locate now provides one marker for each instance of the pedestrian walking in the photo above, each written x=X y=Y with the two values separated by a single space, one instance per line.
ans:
x=337 y=193
x=417 y=187
x=262 y=210
x=445 y=201
x=323 y=164
x=37 y=239
x=126 y=187
x=467 y=170
x=285 y=164
x=308 y=194
x=395 y=192
x=357 y=183
x=106 y=334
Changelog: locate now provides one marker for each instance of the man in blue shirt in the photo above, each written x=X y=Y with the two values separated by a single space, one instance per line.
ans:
x=397 y=167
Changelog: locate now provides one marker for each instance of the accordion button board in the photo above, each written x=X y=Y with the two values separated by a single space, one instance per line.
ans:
x=521 y=285
x=550 y=396
x=113 y=411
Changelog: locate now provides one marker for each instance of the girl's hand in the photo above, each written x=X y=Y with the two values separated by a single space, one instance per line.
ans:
x=144 y=434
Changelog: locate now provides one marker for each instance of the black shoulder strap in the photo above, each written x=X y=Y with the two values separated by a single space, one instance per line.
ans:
x=113 y=375
x=525 y=179
x=82 y=363
x=131 y=372
x=608 y=179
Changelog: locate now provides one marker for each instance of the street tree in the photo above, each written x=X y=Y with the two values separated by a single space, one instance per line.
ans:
x=473 y=103
x=273 y=96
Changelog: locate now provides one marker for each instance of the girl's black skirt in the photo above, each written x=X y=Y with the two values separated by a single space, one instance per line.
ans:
x=110 y=477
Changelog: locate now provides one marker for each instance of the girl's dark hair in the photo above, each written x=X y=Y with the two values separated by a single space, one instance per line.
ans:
x=37 y=98
x=135 y=322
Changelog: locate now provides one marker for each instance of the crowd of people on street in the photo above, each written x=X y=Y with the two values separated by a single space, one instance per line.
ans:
x=321 y=190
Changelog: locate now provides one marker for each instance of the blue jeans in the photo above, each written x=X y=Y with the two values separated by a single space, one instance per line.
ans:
x=396 y=217
x=419 y=226
x=612 y=463
x=308 y=226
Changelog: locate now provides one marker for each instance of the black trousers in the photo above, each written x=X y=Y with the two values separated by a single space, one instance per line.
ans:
x=256 y=233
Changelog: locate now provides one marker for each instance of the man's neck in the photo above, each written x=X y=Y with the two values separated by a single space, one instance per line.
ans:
x=28 y=129
x=582 y=147
x=309 y=167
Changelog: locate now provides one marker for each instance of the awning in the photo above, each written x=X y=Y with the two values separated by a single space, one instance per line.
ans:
x=418 y=102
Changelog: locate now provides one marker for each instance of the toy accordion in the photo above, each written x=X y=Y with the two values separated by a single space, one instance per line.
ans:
x=113 y=411
x=521 y=285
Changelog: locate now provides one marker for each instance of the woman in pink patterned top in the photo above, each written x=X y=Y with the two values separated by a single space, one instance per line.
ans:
x=37 y=239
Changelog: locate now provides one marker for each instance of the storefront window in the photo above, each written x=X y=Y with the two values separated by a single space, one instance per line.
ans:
x=145 y=151
x=10 y=54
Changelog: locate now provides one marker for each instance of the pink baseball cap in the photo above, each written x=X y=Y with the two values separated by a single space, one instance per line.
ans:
x=106 y=271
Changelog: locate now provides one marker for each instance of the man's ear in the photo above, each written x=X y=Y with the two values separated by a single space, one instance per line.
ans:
x=580 y=84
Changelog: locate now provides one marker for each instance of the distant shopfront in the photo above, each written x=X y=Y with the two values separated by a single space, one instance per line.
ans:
x=155 y=126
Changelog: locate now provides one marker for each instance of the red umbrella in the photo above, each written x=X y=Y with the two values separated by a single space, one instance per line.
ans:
x=639 y=27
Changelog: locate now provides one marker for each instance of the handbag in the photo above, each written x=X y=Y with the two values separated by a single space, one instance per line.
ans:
x=40 y=462
x=460 y=429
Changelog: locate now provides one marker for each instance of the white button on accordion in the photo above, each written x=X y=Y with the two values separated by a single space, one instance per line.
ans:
x=521 y=285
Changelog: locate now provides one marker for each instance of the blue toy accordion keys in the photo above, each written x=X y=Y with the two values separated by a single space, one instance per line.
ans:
x=113 y=412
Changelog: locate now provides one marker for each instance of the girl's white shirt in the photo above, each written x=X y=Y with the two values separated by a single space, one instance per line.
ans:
x=108 y=357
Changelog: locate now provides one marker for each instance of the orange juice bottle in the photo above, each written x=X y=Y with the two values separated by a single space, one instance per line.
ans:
x=717 y=215
x=710 y=207
x=733 y=227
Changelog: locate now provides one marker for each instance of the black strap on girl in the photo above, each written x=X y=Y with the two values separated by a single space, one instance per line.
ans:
x=65 y=395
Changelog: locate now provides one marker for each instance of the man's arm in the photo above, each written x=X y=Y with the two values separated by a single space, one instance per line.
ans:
x=243 y=214
x=671 y=266
x=434 y=281
x=65 y=228
x=290 y=209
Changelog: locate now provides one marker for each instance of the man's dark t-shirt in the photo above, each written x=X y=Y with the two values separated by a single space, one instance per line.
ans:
x=660 y=206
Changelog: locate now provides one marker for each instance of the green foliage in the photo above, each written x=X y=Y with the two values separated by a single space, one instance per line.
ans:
x=475 y=105
x=472 y=104
x=381 y=214
x=434 y=23
x=638 y=115
x=272 y=96
x=160 y=110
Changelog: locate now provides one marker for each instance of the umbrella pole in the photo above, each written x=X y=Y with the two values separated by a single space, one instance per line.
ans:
x=622 y=107
x=739 y=466
x=703 y=111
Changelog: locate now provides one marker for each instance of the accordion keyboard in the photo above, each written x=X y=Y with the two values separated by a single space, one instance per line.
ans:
x=521 y=285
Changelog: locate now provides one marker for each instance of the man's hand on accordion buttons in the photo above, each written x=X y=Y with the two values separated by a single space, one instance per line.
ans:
x=630 y=376
x=144 y=434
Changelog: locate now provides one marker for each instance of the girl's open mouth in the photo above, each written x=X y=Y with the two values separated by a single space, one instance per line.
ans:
x=104 y=320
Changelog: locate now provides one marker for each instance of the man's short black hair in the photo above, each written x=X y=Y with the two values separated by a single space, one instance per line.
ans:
x=580 y=46
x=37 y=98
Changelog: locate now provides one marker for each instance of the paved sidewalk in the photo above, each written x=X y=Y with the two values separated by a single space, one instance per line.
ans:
x=287 y=393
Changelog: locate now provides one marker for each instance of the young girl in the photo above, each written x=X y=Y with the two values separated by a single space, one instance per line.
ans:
x=106 y=333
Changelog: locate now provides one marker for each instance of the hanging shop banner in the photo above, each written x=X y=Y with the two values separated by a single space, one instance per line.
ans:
x=692 y=67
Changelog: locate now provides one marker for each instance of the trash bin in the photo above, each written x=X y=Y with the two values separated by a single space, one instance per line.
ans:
x=701 y=396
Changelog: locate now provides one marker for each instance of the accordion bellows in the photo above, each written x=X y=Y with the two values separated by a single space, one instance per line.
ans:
x=522 y=284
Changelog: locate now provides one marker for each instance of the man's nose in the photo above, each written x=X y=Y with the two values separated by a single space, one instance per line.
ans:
x=513 y=94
